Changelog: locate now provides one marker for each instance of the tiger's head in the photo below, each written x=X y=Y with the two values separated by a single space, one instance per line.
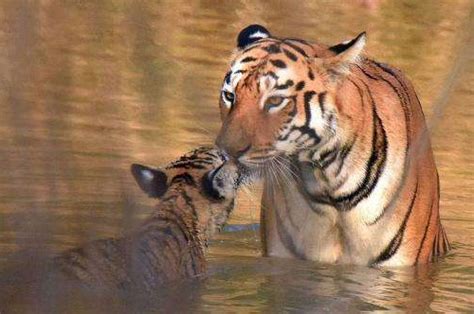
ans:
x=205 y=177
x=279 y=96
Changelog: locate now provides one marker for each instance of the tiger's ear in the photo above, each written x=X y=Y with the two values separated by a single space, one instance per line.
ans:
x=347 y=53
x=151 y=181
x=251 y=34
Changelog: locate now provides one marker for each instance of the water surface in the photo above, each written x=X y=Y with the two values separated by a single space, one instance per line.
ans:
x=88 y=87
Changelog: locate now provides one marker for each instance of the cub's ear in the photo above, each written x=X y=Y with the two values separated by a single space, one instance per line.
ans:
x=251 y=34
x=347 y=53
x=151 y=181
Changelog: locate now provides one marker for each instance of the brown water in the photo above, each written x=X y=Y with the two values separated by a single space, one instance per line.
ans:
x=88 y=87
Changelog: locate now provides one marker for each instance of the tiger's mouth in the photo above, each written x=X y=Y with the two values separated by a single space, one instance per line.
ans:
x=255 y=166
x=256 y=160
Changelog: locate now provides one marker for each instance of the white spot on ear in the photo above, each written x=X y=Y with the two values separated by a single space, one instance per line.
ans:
x=258 y=34
x=147 y=175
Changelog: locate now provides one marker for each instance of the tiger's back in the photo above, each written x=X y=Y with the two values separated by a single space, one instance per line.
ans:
x=196 y=197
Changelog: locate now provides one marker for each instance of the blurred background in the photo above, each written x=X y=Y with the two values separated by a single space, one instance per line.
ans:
x=89 y=87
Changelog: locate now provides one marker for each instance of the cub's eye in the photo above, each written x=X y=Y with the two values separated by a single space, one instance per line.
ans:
x=273 y=102
x=228 y=97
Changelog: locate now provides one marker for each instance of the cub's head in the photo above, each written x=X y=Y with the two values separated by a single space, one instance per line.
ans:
x=279 y=95
x=203 y=178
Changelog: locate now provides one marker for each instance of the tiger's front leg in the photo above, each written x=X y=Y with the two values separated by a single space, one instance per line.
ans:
x=293 y=228
x=272 y=244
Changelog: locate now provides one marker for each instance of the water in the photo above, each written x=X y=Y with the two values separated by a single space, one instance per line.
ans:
x=88 y=87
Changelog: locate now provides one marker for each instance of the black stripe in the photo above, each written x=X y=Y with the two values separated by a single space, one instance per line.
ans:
x=272 y=74
x=300 y=86
x=424 y=234
x=310 y=74
x=325 y=162
x=305 y=128
x=321 y=98
x=290 y=54
x=240 y=71
x=343 y=155
x=294 y=110
x=396 y=241
x=340 y=47
x=278 y=63
x=227 y=77
x=287 y=84
x=186 y=166
x=272 y=49
x=256 y=45
x=296 y=48
x=183 y=177
x=403 y=96
x=248 y=59
x=307 y=106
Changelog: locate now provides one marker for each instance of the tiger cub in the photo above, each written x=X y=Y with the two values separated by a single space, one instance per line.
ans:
x=197 y=195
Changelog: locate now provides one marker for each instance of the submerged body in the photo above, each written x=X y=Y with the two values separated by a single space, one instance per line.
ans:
x=197 y=194
x=350 y=174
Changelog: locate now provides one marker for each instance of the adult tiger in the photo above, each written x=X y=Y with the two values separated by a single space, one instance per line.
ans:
x=364 y=188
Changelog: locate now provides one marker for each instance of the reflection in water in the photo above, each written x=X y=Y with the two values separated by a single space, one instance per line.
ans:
x=88 y=87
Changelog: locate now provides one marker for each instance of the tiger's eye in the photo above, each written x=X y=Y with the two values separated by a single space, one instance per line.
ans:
x=273 y=101
x=228 y=96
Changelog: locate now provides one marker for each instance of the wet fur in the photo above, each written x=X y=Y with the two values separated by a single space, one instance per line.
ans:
x=350 y=175
x=170 y=244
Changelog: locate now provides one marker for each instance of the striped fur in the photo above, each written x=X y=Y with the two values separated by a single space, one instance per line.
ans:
x=342 y=140
x=197 y=195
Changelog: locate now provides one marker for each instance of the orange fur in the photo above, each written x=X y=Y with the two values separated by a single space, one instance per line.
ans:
x=352 y=130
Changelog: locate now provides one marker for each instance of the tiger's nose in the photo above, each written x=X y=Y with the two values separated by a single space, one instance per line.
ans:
x=234 y=150
x=242 y=152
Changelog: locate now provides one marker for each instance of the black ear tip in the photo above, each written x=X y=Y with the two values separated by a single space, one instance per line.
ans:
x=151 y=181
x=135 y=167
x=251 y=34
